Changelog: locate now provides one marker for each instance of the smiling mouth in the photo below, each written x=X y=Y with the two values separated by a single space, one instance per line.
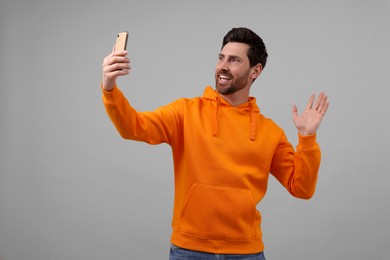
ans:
x=224 y=78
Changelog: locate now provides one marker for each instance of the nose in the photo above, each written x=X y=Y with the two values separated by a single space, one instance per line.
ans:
x=223 y=65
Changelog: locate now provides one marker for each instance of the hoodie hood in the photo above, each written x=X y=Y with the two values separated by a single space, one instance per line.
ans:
x=250 y=107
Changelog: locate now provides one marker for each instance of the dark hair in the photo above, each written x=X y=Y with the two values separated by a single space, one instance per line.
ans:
x=257 y=52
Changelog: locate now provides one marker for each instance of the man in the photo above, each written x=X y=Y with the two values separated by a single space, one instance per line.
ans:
x=223 y=151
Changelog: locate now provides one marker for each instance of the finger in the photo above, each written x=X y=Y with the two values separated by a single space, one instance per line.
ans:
x=325 y=108
x=322 y=102
x=116 y=54
x=110 y=60
x=116 y=66
x=310 y=103
x=118 y=73
x=112 y=75
x=294 y=111
x=318 y=101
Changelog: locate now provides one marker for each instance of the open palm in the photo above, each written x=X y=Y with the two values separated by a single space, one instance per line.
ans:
x=309 y=121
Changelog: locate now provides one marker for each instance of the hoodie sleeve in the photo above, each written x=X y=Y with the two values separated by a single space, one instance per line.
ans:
x=151 y=127
x=297 y=170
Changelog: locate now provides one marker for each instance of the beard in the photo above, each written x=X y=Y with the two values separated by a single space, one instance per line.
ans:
x=235 y=84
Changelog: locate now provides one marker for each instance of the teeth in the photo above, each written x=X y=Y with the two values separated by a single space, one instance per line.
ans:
x=224 y=77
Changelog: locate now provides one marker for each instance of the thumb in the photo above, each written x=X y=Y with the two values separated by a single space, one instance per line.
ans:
x=295 y=116
x=294 y=111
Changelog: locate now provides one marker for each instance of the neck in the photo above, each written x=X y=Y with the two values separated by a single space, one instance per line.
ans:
x=237 y=98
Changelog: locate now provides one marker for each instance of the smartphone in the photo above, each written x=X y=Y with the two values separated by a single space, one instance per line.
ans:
x=121 y=41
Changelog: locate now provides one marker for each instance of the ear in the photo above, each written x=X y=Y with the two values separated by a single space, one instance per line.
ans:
x=256 y=70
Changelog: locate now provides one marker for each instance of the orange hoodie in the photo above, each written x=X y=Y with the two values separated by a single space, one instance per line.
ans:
x=222 y=159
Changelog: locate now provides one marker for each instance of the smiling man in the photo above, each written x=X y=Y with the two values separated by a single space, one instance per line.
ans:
x=234 y=72
x=223 y=151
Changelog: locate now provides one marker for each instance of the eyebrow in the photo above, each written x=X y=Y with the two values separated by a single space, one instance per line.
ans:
x=230 y=56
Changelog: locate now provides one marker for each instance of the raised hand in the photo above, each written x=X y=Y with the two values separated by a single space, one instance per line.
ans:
x=114 y=65
x=309 y=121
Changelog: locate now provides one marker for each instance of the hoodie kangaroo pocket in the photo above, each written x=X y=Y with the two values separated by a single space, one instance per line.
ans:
x=214 y=212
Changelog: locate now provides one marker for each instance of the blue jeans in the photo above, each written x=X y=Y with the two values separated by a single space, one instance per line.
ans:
x=177 y=253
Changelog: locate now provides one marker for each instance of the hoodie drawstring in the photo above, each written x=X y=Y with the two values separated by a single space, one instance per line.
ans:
x=253 y=122
x=217 y=116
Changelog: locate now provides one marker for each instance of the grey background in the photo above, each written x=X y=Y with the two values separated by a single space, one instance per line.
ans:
x=71 y=188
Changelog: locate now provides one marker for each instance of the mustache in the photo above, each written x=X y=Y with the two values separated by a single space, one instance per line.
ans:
x=224 y=73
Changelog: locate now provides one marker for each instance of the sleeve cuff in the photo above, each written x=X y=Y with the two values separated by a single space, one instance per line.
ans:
x=307 y=141
x=108 y=91
x=112 y=94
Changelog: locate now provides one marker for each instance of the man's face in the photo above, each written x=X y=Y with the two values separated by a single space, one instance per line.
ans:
x=233 y=71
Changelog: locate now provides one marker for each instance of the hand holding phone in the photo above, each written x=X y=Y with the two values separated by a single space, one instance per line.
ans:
x=115 y=65
x=121 y=41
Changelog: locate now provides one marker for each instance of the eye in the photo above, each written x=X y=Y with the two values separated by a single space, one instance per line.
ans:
x=234 y=60
x=220 y=57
